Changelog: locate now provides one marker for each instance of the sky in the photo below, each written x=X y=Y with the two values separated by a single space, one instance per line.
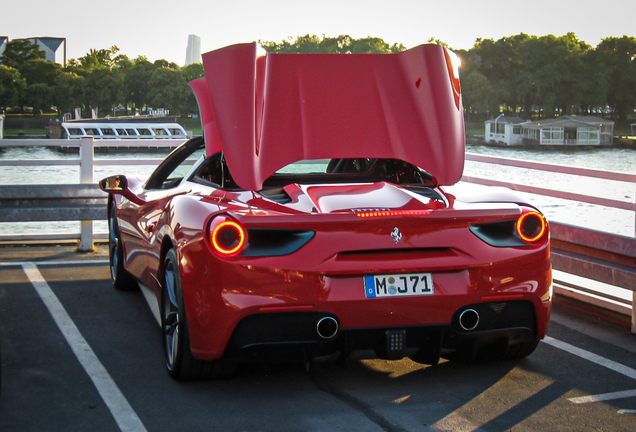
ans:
x=159 y=29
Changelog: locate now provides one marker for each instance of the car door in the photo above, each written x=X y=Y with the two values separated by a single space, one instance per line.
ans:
x=166 y=182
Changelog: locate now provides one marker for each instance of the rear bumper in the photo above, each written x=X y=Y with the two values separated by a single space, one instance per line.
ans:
x=243 y=308
x=297 y=336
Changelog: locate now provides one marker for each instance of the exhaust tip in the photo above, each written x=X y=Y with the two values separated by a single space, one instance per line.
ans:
x=469 y=319
x=327 y=327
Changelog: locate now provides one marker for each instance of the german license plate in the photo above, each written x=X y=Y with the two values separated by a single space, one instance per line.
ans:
x=398 y=285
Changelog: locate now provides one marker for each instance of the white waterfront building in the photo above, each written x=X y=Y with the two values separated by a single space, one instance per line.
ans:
x=560 y=131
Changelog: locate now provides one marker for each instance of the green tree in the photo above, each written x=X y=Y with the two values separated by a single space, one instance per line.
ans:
x=161 y=63
x=69 y=91
x=40 y=71
x=39 y=96
x=98 y=58
x=540 y=69
x=136 y=82
x=123 y=63
x=192 y=72
x=373 y=45
x=436 y=41
x=574 y=73
x=302 y=44
x=618 y=55
x=477 y=93
x=339 y=45
x=547 y=74
x=169 y=89
x=104 y=89
x=593 y=86
x=498 y=61
x=19 y=51
x=102 y=86
x=12 y=86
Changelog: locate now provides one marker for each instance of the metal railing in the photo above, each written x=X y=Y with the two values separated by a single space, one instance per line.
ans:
x=87 y=163
x=604 y=257
x=61 y=202
x=562 y=169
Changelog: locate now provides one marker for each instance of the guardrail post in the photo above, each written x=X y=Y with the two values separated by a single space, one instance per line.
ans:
x=87 y=154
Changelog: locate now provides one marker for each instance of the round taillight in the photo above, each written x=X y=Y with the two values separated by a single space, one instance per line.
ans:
x=228 y=237
x=531 y=227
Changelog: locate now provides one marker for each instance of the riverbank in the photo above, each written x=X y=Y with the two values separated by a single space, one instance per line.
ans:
x=36 y=127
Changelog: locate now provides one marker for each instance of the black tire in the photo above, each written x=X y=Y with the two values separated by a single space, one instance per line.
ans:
x=121 y=278
x=180 y=362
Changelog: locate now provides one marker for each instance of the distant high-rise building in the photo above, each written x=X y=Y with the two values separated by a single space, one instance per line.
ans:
x=193 y=53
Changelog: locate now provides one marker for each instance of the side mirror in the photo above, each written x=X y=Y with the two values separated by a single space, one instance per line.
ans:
x=114 y=184
x=118 y=185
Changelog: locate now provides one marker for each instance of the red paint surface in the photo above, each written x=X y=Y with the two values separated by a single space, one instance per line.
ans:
x=276 y=109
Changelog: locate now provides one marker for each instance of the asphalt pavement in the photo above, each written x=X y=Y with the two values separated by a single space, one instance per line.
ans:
x=78 y=355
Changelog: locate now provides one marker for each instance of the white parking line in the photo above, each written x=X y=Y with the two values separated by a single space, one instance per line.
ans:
x=603 y=397
x=56 y=263
x=124 y=415
x=128 y=420
x=601 y=361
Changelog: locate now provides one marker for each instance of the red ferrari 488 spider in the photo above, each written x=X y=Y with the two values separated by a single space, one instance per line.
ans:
x=318 y=218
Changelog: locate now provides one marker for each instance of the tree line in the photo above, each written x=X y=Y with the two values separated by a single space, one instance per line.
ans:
x=530 y=76
x=549 y=75
x=102 y=80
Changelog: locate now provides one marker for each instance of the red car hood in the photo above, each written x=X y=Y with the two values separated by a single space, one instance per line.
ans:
x=265 y=111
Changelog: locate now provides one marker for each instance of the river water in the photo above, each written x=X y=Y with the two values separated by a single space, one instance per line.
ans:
x=581 y=214
x=576 y=213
